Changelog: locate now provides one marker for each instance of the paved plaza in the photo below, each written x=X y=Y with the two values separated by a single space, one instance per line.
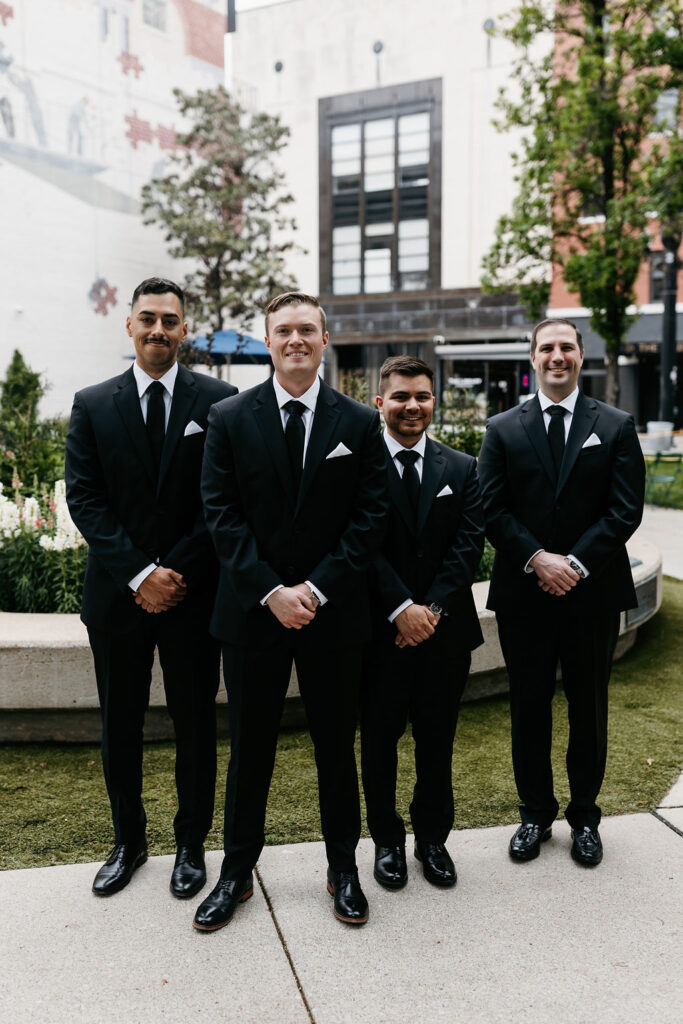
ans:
x=544 y=941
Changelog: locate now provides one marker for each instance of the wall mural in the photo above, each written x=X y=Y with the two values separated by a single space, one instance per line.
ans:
x=70 y=110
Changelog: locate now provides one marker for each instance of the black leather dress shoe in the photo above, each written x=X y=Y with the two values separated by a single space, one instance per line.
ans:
x=350 y=905
x=189 y=872
x=391 y=869
x=117 y=870
x=219 y=906
x=437 y=866
x=587 y=846
x=526 y=842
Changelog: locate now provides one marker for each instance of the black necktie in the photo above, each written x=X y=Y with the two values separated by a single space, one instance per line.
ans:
x=556 y=434
x=411 y=479
x=295 y=432
x=156 y=420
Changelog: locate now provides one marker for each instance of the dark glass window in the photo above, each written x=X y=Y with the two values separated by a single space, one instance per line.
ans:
x=657 y=275
x=154 y=13
x=380 y=164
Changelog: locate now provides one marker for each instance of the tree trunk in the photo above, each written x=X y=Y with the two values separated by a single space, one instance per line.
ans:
x=612 y=378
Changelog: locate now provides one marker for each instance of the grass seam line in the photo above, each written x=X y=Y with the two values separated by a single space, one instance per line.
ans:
x=284 y=945
x=667 y=823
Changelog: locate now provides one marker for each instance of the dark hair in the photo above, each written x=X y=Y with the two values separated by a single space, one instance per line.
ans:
x=555 y=320
x=406 y=366
x=295 y=299
x=158 y=286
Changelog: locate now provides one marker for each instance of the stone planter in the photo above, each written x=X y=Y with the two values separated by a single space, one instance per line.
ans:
x=47 y=682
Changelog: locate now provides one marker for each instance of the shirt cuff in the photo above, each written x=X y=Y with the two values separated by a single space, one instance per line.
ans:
x=134 y=584
x=321 y=597
x=401 y=608
x=579 y=563
x=280 y=586
x=527 y=567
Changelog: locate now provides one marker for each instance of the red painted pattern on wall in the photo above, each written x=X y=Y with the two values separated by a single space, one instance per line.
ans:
x=7 y=12
x=166 y=138
x=138 y=130
x=203 y=31
x=102 y=295
x=129 y=62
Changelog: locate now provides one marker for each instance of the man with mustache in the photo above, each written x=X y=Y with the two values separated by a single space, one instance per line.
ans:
x=133 y=462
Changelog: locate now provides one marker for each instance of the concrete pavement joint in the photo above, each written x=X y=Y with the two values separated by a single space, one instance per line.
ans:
x=284 y=944
x=667 y=823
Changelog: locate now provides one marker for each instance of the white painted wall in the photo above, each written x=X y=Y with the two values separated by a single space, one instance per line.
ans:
x=53 y=244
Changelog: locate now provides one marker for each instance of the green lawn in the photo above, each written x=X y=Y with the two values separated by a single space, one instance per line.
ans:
x=55 y=810
x=658 y=493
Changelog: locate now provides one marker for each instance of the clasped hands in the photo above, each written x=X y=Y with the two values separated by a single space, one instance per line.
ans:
x=294 y=607
x=161 y=590
x=415 y=624
x=555 y=575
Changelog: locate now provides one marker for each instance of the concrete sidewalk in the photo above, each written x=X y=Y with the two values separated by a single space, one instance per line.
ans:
x=546 y=941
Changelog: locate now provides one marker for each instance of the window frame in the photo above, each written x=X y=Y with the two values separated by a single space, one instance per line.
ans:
x=369 y=105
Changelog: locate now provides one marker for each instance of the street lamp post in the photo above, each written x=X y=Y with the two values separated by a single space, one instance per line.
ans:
x=667 y=362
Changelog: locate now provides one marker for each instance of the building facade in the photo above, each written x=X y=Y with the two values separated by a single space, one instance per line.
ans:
x=398 y=177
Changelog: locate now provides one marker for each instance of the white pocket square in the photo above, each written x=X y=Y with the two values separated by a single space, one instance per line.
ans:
x=592 y=440
x=193 y=428
x=444 y=491
x=341 y=449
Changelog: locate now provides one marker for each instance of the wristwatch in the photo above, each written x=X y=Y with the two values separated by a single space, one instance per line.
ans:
x=577 y=568
x=435 y=608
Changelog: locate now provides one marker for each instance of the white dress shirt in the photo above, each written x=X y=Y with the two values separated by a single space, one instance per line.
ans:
x=309 y=399
x=568 y=403
x=143 y=381
x=395 y=447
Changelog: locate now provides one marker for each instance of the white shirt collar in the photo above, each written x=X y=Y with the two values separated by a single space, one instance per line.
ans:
x=309 y=398
x=567 y=403
x=395 y=446
x=143 y=380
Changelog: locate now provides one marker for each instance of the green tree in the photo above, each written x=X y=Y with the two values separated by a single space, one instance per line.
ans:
x=223 y=205
x=588 y=106
x=31 y=450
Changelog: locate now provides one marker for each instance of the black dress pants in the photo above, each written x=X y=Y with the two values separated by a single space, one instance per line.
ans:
x=190 y=661
x=532 y=648
x=423 y=684
x=256 y=683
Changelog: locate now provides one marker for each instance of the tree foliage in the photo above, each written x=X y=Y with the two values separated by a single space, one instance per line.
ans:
x=589 y=78
x=223 y=205
x=31 y=450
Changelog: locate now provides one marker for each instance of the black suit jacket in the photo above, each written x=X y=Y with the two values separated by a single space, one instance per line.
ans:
x=266 y=535
x=590 y=511
x=127 y=516
x=435 y=557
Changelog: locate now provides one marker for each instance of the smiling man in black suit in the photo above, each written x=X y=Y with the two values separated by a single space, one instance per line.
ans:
x=425 y=626
x=563 y=482
x=133 y=464
x=294 y=488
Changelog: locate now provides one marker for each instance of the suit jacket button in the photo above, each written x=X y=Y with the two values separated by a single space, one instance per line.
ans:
x=419 y=553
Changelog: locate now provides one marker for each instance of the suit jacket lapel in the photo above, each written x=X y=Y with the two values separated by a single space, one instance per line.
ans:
x=269 y=422
x=127 y=402
x=532 y=421
x=325 y=419
x=184 y=397
x=432 y=471
x=585 y=415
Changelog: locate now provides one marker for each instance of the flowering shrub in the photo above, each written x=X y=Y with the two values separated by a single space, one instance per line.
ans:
x=42 y=554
